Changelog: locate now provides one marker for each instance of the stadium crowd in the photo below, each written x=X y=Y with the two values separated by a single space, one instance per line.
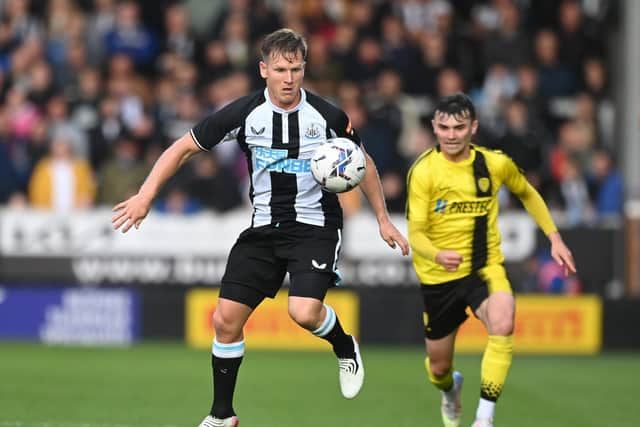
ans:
x=91 y=91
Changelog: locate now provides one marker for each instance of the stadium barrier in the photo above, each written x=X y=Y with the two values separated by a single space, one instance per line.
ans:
x=177 y=250
x=47 y=260
x=583 y=324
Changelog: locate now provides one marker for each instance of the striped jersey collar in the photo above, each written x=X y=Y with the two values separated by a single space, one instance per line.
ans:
x=303 y=100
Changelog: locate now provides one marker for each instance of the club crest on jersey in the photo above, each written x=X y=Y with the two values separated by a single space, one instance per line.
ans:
x=312 y=132
x=484 y=184
x=258 y=131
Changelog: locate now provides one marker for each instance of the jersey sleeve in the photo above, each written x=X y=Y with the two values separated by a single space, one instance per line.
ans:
x=512 y=176
x=342 y=127
x=418 y=194
x=222 y=125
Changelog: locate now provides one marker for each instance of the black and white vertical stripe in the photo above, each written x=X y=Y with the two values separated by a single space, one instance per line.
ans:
x=265 y=132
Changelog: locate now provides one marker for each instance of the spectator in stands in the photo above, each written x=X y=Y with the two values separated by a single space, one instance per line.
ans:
x=574 y=41
x=524 y=141
x=9 y=178
x=554 y=77
x=212 y=185
x=607 y=186
x=130 y=36
x=123 y=173
x=177 y=201
x=62 y=181
x=178 y=39
x=434 y=58
x=507 y=44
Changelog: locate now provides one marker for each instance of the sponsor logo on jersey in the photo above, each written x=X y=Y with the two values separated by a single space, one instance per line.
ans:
x=275 y=160
x=441 y=206
x=257 y=131
x=444 y=206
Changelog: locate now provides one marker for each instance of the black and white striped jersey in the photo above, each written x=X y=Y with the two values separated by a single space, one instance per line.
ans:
x=278 y=145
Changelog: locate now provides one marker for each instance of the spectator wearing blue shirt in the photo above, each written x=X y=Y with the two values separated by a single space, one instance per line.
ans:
x=607 y=186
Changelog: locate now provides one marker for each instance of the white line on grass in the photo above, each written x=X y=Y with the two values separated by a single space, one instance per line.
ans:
x=68 y=424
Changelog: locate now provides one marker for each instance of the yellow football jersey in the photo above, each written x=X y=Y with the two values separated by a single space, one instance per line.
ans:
x=457 y=203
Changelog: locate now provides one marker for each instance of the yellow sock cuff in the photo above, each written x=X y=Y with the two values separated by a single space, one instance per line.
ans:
x=444 y=383
x=495 y=366
x=501 y=343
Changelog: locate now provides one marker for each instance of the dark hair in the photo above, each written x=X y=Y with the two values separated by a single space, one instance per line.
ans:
x=457 y=105
x=284 y=41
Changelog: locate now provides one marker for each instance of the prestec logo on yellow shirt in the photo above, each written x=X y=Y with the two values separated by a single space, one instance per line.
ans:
x=444 y=206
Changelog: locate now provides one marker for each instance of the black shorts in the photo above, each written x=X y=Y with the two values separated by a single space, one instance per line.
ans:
x=445 y=304
x=261 y=257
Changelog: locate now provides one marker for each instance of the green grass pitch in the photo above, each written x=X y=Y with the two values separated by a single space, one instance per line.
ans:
x=168 y=385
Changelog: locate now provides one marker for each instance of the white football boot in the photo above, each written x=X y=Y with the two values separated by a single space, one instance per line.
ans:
x=211 y=421
x=452 y=408
x=351 y=373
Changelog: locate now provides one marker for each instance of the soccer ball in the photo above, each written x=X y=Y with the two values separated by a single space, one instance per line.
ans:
x=338 y=165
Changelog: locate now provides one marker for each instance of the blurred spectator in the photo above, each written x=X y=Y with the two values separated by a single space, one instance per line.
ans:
x=177 y=201
x=367 y=65
x=9 y=178
x=607 y=186
x=546 y=276
x=100 y=22
x=397 y=50
x=377 y=137
x=554 y=78
x=213 y=186
x=41 y=85
x=321 y=71
x=575 y=43
x=122 y=174
x=506 y=44
x=216 y=61
x=574 y=190
x=529 y=93
x=524 y=141
x=500 y=85
x=178 y=39
x=596 y=85
x=107 y=130
x=94 y=71
x=433 y=59
x=130 y=36
x=421 y=15
x=449 y=82
x=60 y=125
x=85 y=101
x=62 y=181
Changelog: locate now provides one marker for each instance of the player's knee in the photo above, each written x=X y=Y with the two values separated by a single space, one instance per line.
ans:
x=502 y=326
x=304 y=317
x=225 y=326
x=439 y=368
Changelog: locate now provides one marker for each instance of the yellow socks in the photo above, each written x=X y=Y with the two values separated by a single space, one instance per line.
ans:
x=444 y=383
x=495 y=366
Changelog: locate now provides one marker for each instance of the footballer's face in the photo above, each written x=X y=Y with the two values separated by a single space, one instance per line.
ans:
x=454 y=132
x=283 y=74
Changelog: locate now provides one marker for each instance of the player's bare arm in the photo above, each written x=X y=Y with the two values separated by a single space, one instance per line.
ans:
x=538 y=210
x=372 y=189
x=132 y=211
x=561 y=253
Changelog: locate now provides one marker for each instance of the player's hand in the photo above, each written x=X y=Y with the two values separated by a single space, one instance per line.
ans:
x=130 y=213
x=450 y=260
x=393 y=237
x=561 y=254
